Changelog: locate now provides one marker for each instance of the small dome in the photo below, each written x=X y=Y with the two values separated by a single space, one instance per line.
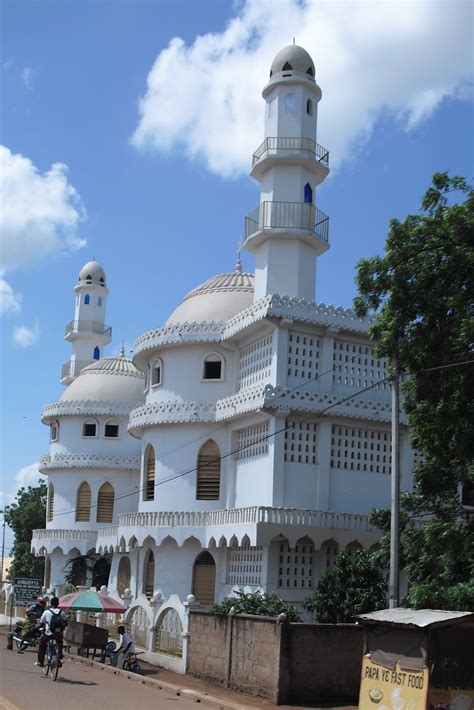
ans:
x=293 y=58
x=218 y=299
x=111 y=379
x=92 y=273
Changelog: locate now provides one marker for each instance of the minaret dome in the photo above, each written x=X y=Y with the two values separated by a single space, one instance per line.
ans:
x=92 y=273
x=293 y=59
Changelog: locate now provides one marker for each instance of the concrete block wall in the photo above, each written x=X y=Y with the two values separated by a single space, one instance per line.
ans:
x=207 y=647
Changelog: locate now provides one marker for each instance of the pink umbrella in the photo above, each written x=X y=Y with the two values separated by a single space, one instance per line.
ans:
x=90 y=601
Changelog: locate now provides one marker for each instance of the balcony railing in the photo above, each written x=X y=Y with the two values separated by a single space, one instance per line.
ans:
x=91 y=326
x=287 y=215
x=73 y=368
x=300 y=145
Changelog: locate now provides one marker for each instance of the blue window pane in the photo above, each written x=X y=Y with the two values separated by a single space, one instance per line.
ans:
x=87 y=299
x=308 y=193
x=290 y=102
x=99 y=301
x=96 y=353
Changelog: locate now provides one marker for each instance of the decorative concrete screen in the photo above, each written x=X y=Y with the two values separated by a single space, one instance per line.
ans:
x=361 y=449
x=255 y=362
x=303 y=356
x=300 y=442
x=244 y=565
x=296 y=565
x=357 y=366
x=253 y=441
x=139 y=626
x=169 y=634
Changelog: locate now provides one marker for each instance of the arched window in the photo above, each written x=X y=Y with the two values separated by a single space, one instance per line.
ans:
x=101 y=280
x=290 y=102
x=213 y=368
x=124 y=575
x=88 y=279
x=308 y=193
x=330 y=550
x=204 y=578
x=89 y=428
x=287 y=67
x=149 y=575
x=310 y=71
x=208 y=480
x=83 y=503
x=352 y=548
x=50 y=514
x=156 y=373
x=149 y=474
x=111 y=429
x=96 y=353
x=147 y=377
x=105 y=504
x=87 y=299
x=54 y=430
x=309 y=107
x=99 y=301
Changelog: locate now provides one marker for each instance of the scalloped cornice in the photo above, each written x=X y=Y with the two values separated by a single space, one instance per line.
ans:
x=179 y=333
x=170 y=413
x=86 y=407
x=73 y=460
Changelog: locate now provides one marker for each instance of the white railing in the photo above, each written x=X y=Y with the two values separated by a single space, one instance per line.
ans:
x=110 y=531
x=55 y=534
x=254 y=514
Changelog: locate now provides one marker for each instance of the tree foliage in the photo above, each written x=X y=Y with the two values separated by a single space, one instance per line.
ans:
x=255 y=603
x=421 y=293
x=83 y=567
x=350 y=587
x=25 y=514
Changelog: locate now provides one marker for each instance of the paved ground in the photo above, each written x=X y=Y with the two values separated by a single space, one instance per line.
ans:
x=79 y=687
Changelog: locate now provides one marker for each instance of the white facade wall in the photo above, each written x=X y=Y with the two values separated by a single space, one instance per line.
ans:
x=71 y=440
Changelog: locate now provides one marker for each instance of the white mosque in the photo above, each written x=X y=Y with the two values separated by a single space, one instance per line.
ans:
x=249 y=438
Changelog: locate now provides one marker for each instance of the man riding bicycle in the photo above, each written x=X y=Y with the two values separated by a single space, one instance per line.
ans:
x=126 y=647
x=54 y=621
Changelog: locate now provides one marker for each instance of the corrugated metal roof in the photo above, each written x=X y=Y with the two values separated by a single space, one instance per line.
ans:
x=419 y=618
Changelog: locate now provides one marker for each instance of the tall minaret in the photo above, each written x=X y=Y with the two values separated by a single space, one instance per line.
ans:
x=287 y=231
x=87 y=333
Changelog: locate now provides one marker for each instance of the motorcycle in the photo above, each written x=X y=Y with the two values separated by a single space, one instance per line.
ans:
x=26 y=637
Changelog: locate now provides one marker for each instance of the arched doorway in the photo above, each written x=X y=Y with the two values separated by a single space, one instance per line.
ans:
x=204 y=578
x=124 y=575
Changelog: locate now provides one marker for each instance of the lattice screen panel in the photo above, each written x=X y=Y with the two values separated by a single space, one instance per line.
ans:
x=244 y=565
x=255 y=361
x=253 y=441
x=303 y=356
x=356 y=366
x=361 y=449
x=295 y=569
x=300 y=442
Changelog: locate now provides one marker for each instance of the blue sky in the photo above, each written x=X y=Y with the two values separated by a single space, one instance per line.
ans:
x=157 y=190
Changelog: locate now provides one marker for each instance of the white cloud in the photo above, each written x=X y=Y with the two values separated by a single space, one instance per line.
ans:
x=27 y=76
x=401 y=57
x=25 y=337
x=10 y=302
x=28 y=475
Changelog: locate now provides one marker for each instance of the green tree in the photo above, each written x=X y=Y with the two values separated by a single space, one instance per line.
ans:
x=421 y=294
x=255 y=603
x=350 y=587
x=25 y=514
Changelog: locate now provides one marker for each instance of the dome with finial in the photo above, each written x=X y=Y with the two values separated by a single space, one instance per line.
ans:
x=111 y=379
x=217 y=299
x=92 y=273
x=293 y=59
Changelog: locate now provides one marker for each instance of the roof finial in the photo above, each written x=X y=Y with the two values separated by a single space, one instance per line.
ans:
x=238 y=263
x=122 y=349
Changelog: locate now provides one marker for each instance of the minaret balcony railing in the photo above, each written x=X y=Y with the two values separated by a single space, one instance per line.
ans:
x=88 y=326
x=294 y=144
x=74 y=367
x=287 y=215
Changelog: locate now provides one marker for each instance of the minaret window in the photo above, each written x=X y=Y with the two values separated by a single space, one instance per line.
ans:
x=213 y=368
x=87 y=299
x=83 y=503
x=111 y=430
x=99 y=301
x=149 y=487
x=310 y=71
x=156 y=373
x=105 y=504
x=50 y=514
x=309 y=107
x=88 y=279
x=54 y=430
x=89 y=428
x=96 y=353
x=308 y=194
x=208 y=472
x=101 y=280
x=287 y=67
x=290 y=102
x=149 y=575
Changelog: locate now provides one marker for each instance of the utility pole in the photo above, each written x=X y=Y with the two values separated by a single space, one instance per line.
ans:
x=394 y=580
x=3 y=546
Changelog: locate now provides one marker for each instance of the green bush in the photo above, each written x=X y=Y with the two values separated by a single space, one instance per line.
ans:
x=256 y=604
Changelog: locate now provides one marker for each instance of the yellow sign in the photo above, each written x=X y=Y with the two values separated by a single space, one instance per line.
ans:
x=397 y=689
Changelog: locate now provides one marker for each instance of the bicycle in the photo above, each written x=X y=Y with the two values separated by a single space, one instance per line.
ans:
x=131 y=664
x=52 y=661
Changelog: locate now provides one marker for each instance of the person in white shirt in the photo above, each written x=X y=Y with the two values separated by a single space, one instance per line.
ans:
x=53 y=621
x=126 y=647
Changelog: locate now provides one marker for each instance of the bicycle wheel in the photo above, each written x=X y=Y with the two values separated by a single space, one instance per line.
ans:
x=47 y=660
x=136 y=668
x=54 y=667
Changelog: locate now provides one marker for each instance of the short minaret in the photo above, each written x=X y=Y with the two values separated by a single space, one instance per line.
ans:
x=286 y=232
x=87 y=333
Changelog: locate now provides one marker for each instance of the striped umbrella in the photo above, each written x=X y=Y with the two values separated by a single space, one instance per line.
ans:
x=90 y=601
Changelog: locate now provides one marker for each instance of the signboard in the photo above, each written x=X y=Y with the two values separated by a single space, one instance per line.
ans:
x=387 y=689
x=27 y=589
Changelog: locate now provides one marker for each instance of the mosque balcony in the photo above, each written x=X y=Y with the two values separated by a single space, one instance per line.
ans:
x=291 y=151
x=46 y=540
x=287 y=218
x=71 y=369
x=253 y=525
x=85 y=327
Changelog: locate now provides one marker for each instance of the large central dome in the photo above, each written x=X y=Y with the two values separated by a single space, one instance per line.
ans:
x=218 y=299
x=114 y=379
